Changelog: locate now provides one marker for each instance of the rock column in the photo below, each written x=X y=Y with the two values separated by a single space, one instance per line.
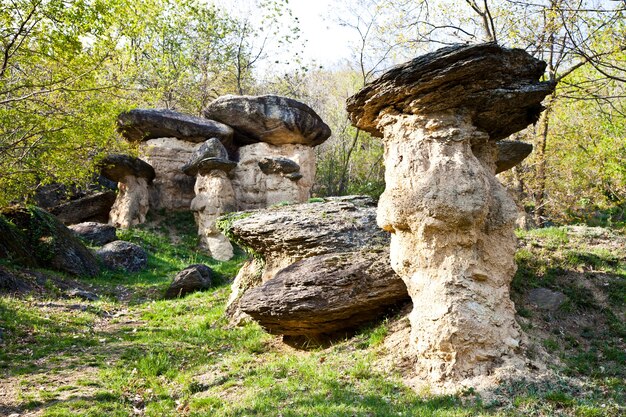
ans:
x=214 y=195
x=133 y=176
x=451 y=220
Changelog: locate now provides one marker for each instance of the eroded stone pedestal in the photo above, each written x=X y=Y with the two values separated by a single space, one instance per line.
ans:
x=452 y=242
x=452 y=222
x=132 y=203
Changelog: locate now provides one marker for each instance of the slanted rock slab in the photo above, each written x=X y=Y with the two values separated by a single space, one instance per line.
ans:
x=326 y=294
x=272 y=119
x=144 y=124
x=511 y=153
x=49 y=243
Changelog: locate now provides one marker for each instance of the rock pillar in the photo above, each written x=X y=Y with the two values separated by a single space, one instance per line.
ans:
x=451 y=221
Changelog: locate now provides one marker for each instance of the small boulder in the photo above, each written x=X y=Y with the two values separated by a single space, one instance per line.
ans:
x=211 y=155
x=116 y=167
x=272 y=119
x=97 y=234
x=82 y=294
x=122 y=255
x=191 y=279
x=511 y=153
x=278 y=165
x=326 y=294
x=143 y=124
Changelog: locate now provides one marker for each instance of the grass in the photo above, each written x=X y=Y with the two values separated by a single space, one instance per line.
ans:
x=133 y=353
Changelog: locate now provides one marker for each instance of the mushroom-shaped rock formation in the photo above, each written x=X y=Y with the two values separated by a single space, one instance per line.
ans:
x=209 y=156
x=214 y=195
x=271 y=127
x=281 y=236
x=168 y=139
x=326 y=295
x=145 y=124
x=451 y=221
x=271 y=119
x=133 y=176
x=511 y=153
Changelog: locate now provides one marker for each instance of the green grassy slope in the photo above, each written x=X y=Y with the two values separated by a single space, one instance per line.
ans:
x=132 y=353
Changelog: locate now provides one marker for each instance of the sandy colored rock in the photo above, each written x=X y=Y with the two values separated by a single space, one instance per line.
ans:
x=132 y=203
x=271 y=119
x=214 y=197
x=255 y=189
x=172 y=189
x=451 y=221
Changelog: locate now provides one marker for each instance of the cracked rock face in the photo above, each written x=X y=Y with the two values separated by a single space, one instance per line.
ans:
x=452 y=222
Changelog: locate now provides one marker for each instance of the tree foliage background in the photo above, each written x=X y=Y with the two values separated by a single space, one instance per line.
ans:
x=68 y=67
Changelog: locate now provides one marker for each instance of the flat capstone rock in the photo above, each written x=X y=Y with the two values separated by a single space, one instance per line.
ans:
x=511 y=153
x=499 y=88
x=271 y=119
x=211 y=155
x=116 y=167
x=144 y=124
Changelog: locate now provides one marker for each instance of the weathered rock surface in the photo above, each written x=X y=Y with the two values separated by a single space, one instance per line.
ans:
x=284 y=235
x=511 y=153
x=37 y=238
x=191 y=279
x=145 y=124
x=498 y=88
x=255 y=189
x=116 y=167
x=211 y=155
x=281 y=236
x=132 y=203
x=272 y=119
x=172 y=189
x=278 y=165
x=122 y=255
x=214 y=197
x=326 y=294
x=451 y=221
x=95 y=207
x=95 y=233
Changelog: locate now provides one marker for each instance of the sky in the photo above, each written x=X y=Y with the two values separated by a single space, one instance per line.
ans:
x=327 y=42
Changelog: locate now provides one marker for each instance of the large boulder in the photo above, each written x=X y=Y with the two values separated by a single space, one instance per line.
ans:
x=326 y=294
x=344 y=227
x=122 y=255
x=34 y=237
x=286 y=234
x=272 y=119
x=94 y=233
x=191 y=279
x=145 y=124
